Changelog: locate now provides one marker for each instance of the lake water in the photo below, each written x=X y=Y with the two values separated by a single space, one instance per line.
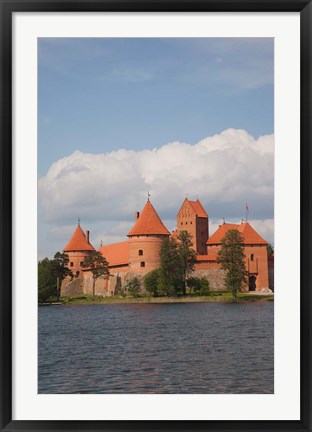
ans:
x=157 y=348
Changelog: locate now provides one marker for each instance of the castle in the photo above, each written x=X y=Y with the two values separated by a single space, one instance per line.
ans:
x=140 y=253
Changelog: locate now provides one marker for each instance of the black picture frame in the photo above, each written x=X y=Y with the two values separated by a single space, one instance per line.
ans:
x=8 y=7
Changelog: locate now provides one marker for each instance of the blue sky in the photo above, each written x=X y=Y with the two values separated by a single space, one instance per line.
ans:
x=98 y=96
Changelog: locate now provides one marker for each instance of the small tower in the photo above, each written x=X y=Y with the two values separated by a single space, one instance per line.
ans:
x=192 y=217
x=255 y=250
x=77 y=249
x=145 y=240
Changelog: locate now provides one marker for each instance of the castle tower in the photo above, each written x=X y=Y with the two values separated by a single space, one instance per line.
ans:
x=145 y=240
x=77 y=249
x=255 y=250
x=192 y=217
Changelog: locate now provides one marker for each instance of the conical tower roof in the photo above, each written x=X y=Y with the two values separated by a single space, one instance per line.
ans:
x=148 y=223
x=78 y=242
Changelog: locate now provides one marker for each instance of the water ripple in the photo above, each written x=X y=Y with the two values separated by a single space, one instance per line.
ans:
x=157 y=348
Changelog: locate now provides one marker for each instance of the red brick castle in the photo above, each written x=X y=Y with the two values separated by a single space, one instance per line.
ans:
x=140 y=253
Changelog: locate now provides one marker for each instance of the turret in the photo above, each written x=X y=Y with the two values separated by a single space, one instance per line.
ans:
x=77 y=249
x=145 y=240
x=192 y=217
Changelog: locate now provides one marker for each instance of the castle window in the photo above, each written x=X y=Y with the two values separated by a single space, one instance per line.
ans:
x=81 y=263
x=77 y=273
x=185 y=223
x=140 y=252
x=71 y=264
x=142 y=264
x=191 y=222
x=251 y=257
x=181 y=223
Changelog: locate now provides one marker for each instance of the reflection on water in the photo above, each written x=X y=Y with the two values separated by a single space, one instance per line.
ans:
x=160 y=348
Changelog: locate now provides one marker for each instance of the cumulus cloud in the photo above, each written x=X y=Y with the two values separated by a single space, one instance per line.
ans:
x=224 y=171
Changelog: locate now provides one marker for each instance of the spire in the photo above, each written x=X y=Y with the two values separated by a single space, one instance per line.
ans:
x=148 y=222
x=78 y=241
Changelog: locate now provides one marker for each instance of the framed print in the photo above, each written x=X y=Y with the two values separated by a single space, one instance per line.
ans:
x=155 y=231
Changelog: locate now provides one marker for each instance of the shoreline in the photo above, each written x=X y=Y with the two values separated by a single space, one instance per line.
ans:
x=223 y=298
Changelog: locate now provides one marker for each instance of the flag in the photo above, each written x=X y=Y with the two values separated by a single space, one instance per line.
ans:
x=247 y=209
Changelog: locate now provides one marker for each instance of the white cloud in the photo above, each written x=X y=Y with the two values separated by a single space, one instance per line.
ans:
x=225 y=171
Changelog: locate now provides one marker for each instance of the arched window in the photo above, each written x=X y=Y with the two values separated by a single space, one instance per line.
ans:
x=251 y=257
x=142 y=264
x=140 y=252
x=71 y=264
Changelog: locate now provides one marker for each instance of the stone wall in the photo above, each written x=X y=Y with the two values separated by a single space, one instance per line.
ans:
x=214 y=276
x=116 y=282
x=72 y=287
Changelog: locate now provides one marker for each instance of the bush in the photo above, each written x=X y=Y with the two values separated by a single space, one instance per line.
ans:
x=151 y=282
x=204 y=287
x=133 y=287
x=194 y=284
x=198 y=285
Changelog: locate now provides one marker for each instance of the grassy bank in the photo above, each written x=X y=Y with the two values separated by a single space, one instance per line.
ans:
x=213 y=297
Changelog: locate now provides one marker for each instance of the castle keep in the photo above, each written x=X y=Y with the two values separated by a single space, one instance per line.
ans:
x=140 y=253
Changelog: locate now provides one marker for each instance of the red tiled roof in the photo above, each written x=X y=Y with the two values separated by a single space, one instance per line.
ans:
x=116 y=254
x=210 y=257
x=249 y=234
x=78 y=242
x=198 y=208
x=148 y=223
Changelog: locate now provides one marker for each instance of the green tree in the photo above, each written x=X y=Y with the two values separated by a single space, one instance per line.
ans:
x=50 y=276
x=270 y=249
x=151 y=282
x=60 y=269
x=46 y=281
x=170 y=281
x=187 y=256
x=98 y=266
x=194 y=284
x=231 y=257
x=198 y=285
x=133 y=287
x=204 y=287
